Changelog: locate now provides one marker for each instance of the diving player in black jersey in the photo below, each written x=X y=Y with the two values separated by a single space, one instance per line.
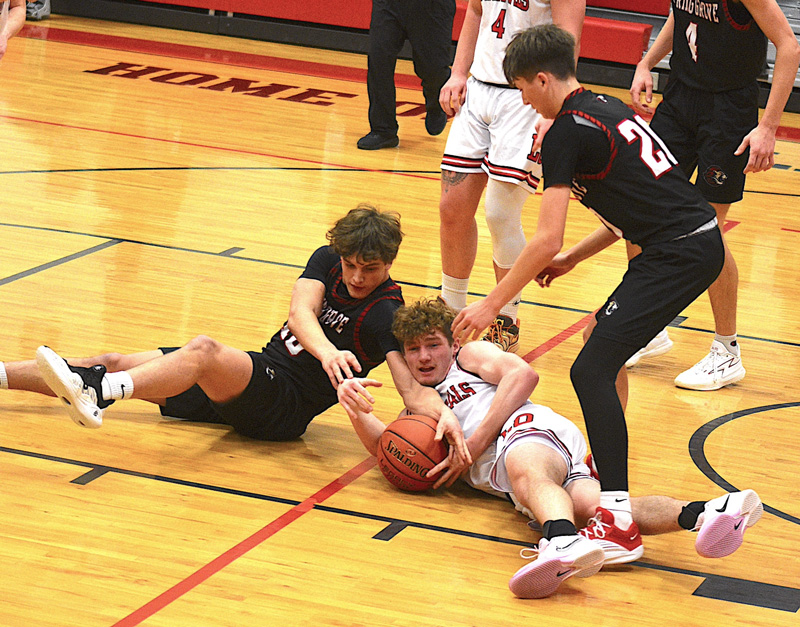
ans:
x=339 y=325
x=604 y=153
x=709 y=120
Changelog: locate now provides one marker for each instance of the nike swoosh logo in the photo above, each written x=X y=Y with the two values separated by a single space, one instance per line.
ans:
x=564 y=548
x=566 y=572
x=632 y=538
x=620 y=500
x=725 y=504
x=737 y=525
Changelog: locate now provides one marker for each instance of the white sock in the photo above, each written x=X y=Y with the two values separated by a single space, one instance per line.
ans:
x=117 y=386
x=729 y=341
x=618 y=502
x=511 y=308
x=3 y=377
x=454 y=291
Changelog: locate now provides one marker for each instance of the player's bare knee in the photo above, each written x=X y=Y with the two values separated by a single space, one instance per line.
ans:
x=204 y=346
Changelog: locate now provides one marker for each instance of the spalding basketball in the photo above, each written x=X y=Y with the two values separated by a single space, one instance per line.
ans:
x=407 y=450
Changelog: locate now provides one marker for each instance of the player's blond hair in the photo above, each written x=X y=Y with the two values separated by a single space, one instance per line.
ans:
x=367 y=233
x=422 y=318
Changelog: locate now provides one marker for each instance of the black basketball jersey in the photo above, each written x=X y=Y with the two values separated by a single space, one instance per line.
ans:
x=620 y=169
x=716 y=45
x=364 y=327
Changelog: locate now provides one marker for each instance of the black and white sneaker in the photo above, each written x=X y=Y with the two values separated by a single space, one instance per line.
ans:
x=78 y=388
x=38 y=10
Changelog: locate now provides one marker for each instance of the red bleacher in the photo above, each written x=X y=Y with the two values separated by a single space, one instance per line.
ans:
x=603 y=39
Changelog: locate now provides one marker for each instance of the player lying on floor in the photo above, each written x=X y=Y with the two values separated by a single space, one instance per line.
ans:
x=340 y=319
x=538 y=457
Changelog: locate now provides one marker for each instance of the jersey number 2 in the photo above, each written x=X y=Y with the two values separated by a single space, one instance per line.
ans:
x=658 y=158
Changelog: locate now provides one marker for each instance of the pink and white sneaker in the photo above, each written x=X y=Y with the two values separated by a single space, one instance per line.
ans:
x=556 y=561
x=721 y=526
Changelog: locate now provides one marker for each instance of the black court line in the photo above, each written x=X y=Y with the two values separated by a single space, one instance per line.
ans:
x=58 y=262
x=231 y=254
x=713 y=586
x=698 y=455
x=304 y=169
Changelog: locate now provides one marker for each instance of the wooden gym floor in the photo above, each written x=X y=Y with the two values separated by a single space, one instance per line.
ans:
x=157 y=185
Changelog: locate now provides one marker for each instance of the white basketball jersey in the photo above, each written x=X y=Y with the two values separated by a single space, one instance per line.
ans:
x=500 y=21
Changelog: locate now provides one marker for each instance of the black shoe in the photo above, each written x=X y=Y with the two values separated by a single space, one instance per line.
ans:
x=376 y=141
x=435 y=121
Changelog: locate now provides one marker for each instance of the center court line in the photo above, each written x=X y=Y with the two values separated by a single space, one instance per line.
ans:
x=227 y=558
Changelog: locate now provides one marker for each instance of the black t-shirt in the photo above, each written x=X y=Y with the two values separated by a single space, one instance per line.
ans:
x=619 y=168
x=716 y=45
x=362 y=326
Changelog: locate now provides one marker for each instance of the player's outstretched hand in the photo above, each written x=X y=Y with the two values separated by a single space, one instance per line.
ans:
x=453 y=94
x=762 y=150
x=642 y=81
x=558 y=267
x=354 y=396
x=473 y=319
x=340 y=365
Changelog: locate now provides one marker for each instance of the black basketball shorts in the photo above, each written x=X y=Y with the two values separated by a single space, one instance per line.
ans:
x=658 y=285
x=268 y=409
x=702 y=130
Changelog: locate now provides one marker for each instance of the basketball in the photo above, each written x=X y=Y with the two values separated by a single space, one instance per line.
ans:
x=407 y=450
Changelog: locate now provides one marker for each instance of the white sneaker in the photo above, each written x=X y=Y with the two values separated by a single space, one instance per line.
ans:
x=557 y=560
x=78 y=388
x=722 y=523
x=659 y=345
x=717 y=369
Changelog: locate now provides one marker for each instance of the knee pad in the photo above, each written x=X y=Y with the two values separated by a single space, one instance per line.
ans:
x=503 y=209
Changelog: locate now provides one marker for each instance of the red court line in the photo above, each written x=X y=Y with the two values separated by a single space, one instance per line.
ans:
x=222 y=148
x=558 y=339
x=216 y=565
x=790 y=230
x=208 y=55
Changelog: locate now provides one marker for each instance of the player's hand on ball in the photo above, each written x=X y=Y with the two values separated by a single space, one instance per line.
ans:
x=458 y=458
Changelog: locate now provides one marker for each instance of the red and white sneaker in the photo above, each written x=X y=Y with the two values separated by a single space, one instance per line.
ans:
x=619 y=545
x=557 y=560
x=721 y=526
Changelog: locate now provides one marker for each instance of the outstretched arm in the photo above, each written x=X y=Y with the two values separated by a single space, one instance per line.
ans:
x=368 y=427
x=304 y=311
x=598 y=240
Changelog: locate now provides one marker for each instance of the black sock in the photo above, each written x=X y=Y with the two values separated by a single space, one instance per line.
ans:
x=561 y=527
x=690 y=513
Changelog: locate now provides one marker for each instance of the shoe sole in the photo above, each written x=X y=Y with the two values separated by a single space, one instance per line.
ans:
x=542 y=578
x=714 y=385
x=393 y=144
x=656 y=352
x=56 y=374
x=625 y=556
x=724 y=534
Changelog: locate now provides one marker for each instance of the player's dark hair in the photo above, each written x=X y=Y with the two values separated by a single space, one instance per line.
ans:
x=426 y=316
x=367 y=233
x=545 y=48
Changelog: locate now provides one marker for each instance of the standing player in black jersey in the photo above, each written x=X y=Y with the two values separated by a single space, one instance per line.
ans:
x=614 y=163
x=709 y=120
x=340 y=319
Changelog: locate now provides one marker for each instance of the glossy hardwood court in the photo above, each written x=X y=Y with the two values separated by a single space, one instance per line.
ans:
x=157 y=185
